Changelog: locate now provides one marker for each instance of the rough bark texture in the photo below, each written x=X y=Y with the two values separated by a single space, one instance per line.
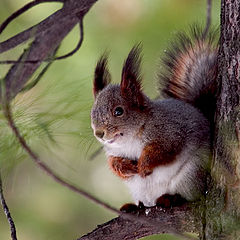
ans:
x=179 y=219
x=224 y=200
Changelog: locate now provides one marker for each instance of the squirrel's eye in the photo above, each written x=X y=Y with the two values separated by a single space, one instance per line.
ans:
x=118 y=112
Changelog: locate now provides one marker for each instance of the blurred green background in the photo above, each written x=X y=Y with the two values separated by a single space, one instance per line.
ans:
x=54 y=116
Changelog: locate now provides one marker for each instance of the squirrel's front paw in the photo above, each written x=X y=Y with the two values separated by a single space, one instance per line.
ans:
x=145 y=172
x=123 y=167
x=144 y=169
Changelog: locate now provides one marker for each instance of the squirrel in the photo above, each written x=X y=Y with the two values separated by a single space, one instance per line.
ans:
x=160 y=148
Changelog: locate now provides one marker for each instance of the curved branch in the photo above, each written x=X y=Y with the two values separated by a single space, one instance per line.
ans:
x=28 y=33
x=179 y=218
x=78 y=45
x=7 y=212
x=22 y=10
x=56 y=58
x=71 y=9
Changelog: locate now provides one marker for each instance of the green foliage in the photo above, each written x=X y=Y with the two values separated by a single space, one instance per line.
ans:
x=161 y=237
x=31 y=128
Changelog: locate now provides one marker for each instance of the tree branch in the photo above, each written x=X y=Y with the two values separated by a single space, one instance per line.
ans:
x=69 y=9
x=48 y=35
x=53 y=58
x=28 y=33
x=22 y=10
x=7 y=212
x=179 y=218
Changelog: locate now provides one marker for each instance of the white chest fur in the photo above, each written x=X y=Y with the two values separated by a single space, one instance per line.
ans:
x=173 y=178
x=130 y=148
x=148 y=189
x=177 y=177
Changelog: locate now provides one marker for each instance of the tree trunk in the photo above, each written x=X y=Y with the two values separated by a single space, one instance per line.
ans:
x=223 y=200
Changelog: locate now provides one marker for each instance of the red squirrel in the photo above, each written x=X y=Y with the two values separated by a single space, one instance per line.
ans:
x=160 y=148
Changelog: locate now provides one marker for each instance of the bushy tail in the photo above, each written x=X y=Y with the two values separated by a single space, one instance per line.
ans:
x=190 y=70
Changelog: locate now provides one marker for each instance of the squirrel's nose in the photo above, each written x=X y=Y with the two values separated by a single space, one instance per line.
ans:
x=99 y=133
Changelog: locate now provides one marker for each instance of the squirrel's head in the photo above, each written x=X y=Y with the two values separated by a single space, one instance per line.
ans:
x=119 y=111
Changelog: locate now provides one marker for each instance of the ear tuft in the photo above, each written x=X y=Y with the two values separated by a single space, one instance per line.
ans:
x=131 y=78
x=102 y=76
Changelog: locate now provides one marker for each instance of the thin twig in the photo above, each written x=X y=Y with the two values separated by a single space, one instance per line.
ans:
x=208 y=18
x=56 y=58
x=78 y=45
x=7 y=212
x=46 y=169
x=22 y=10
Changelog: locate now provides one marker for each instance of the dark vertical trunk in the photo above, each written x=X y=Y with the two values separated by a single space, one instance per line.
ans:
x=223 y=201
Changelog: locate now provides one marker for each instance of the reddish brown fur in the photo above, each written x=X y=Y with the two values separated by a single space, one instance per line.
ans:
x=154 y=155
x=122 y=167
x=181 y=69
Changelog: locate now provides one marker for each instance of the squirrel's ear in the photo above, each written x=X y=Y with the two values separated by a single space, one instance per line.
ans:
x=131 y=78
x=102 y=76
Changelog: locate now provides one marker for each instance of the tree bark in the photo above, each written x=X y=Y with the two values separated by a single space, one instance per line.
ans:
x=181 y=219
x=223 y=209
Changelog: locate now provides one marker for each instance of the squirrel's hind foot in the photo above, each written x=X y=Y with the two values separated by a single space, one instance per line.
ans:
x=132 y=208
x=167 y=200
